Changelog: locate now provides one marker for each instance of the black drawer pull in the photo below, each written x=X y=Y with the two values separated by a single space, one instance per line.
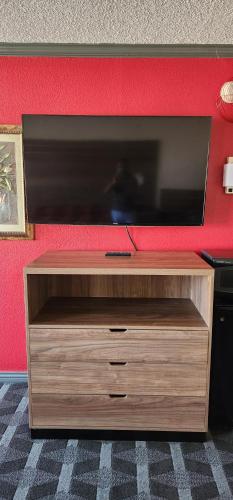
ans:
x=118 y=396
x=118 y=330
x=118 y=363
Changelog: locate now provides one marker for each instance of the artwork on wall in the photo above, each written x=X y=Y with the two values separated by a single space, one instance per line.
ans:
x=13 y=223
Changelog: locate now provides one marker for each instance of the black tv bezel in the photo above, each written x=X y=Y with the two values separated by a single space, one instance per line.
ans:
x=123 y=116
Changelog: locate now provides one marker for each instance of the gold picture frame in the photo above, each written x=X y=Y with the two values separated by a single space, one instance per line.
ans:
x=13 y=224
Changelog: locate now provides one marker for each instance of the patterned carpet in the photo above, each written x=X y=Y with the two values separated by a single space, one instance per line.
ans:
x=118 y=470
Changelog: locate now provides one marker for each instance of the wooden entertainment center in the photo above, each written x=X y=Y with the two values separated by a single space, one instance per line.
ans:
x=119 y=342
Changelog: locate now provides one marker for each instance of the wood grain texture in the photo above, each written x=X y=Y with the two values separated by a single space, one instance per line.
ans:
x=38 y=293
x=210 y=317
x=202 y=296
x=155 y=346
x=150 y=312
x=131 y=378
x=72 y=262
x=131 y=412
x=27 y=305
x=115 y=312
x=119 y=286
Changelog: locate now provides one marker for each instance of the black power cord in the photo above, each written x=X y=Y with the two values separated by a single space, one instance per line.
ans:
x=131 y=239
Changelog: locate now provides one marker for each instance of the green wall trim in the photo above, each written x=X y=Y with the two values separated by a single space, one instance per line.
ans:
x=115 y=50
x=13 y=377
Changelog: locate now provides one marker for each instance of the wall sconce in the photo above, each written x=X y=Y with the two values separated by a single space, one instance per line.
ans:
x=225 y=101
x=228 y=176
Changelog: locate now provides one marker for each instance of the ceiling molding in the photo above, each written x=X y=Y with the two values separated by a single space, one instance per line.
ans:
x=114 y=50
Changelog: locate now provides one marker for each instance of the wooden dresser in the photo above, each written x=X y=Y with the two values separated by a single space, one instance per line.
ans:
x=119 y=342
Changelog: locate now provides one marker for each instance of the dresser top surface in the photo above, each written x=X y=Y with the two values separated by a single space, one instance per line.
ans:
x=95 y=262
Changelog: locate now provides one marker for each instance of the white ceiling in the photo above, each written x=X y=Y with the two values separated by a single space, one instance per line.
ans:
x=117 y=21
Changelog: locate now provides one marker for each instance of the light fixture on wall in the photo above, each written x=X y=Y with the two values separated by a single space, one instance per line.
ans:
x=225 y=101
x=228 y=176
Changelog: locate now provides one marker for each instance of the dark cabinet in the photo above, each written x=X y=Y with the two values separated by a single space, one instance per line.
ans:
x=221 y=379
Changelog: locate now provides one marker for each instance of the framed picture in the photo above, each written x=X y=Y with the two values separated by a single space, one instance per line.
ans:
x=13 y=223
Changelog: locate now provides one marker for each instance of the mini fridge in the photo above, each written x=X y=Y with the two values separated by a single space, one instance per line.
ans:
x=221 y=377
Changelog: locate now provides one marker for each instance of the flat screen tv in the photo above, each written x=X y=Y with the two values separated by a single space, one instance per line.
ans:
x=123 y=170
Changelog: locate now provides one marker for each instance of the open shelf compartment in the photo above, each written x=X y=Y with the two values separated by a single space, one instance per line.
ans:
x=174 y=302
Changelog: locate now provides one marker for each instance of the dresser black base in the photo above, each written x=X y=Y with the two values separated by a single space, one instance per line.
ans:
x=116 y=435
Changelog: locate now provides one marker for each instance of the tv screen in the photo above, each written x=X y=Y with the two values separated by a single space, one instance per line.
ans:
x=123 y=170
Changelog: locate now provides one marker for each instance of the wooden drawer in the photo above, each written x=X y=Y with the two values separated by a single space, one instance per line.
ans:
x=106 y=378
x=131 y=412
x=84 y=344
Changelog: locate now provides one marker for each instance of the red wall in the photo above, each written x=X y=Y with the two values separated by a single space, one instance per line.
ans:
x=110 y=86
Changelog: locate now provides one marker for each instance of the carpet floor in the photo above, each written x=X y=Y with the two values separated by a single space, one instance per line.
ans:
x=115 y=470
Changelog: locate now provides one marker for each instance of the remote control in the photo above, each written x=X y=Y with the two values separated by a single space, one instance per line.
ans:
x=118 y=254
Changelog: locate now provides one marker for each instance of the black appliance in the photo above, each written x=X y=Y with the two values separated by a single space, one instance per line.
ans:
x=123 y=170
x=221 y=378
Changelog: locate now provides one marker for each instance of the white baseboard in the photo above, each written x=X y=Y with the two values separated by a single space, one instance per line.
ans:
x=13 y=377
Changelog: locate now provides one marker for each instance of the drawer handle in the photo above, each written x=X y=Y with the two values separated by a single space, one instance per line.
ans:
x=118 y=330
x=118 y=363
x=117 y=396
